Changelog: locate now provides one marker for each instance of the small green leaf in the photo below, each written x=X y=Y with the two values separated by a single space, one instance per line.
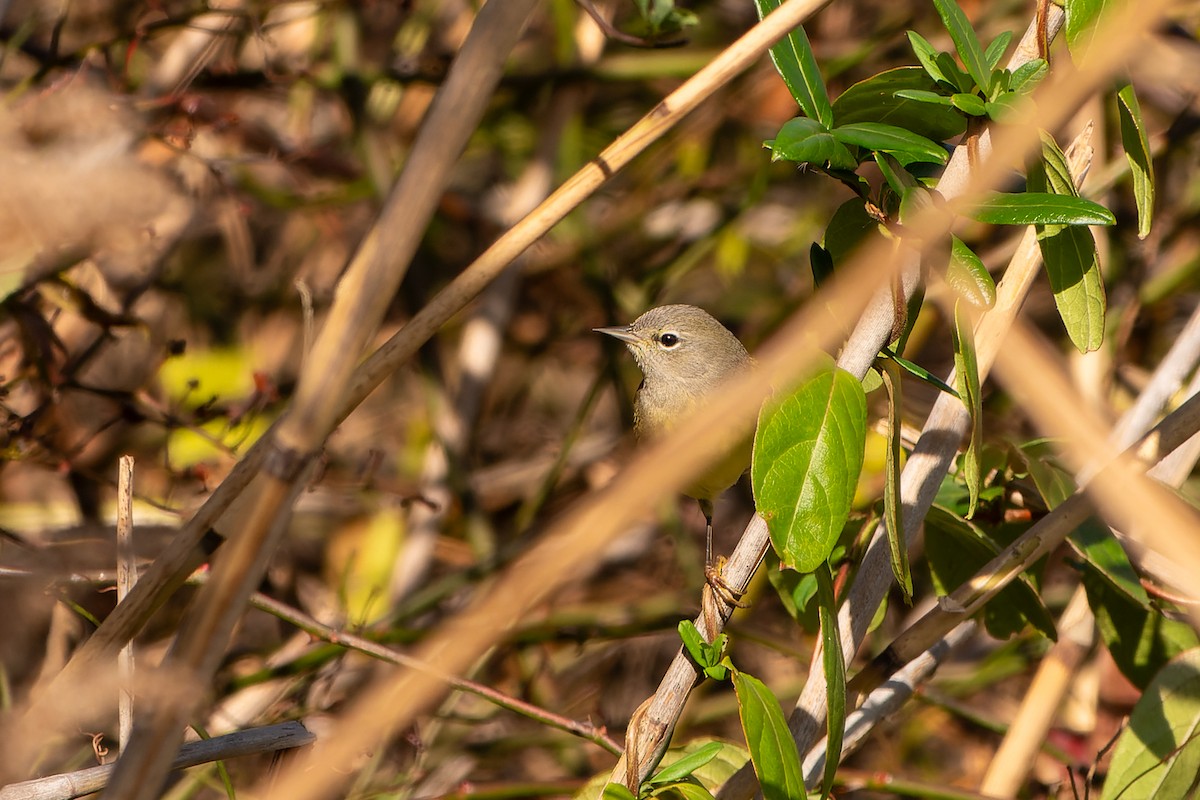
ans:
x=927 y=57
x=808 y=142
x=899 y=180
x=966 y=378
x=892 y=506
x=920 y=372
x=1028 y=75
x=772 y=751
x=1004 y=107
x=970 y=104
x=834 y=663
x=808 y=452
x=1041 y=208
x=1069 y=253
x=795 y=592
x=820 y=262
x=688 y=764
x=924 y=96
x=877 y=136
x=959 y=80
x=793 y=57
x=995 y=51
x=1158 y=754
x=1137 y=151
x=967 y=275
x=965 y=42
x=875 y=100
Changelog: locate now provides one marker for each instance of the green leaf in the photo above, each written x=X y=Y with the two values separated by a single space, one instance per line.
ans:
x=965 y=42
x=920 y=372
x=1138 y=635
x=820 y=262
x=793 y=57
x=875 y=100
x=615 y=791
x=927 y=56
x=899 y=180
x=834 y=663
x=995 y=51
x=1028 y=75
x=1082 y=16
x=1004 y=107
x=959 y=80
x=807 y=141
x=709 y=657
x=795 y=591
x=682 y=790
x=1100 y=551
x=927 y=97
x=877 y=136
x=688 y=764
x=1158 y=754
x=1137 y=151
x=892 y=506
x=1041 y=208
x=1069 y=253
x=966 y=378
x=847 y=228
x=956 y=549
x=971 y=104
x=967 y=275
x=808 y=452
x=772 y=751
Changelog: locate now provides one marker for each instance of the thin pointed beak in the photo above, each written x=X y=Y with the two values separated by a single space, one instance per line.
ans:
x=622 y=332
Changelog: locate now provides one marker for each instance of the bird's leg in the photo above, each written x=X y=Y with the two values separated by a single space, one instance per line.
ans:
x=712 y=569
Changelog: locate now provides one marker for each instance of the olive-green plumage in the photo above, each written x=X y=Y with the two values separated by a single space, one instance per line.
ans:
x=684 y=354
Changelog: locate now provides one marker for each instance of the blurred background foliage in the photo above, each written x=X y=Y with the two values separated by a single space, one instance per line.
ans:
x=180 y=187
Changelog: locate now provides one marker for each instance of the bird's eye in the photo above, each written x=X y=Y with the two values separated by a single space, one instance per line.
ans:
x=668 y=340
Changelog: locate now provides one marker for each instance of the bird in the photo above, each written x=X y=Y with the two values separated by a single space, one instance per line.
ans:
x=684 y=353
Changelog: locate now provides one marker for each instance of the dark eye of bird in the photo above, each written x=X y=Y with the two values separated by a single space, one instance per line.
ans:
x=668 y=340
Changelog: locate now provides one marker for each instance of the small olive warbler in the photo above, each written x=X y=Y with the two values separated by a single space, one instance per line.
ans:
x=684 y=354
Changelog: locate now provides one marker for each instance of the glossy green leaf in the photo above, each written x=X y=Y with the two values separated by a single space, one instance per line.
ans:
x=967 y=275
x=772 y=751
x=927 y=56
x=875 y=100
x=1082 y=16
x=959 y=79
x=966 y=379
x=1137 y=151
x=965 y=42
x=1157 y=756
x=1042 y=208
x=834 y=664
x=1028 y=75
x=1069 y=253
x=806 y=141
x=920 y=372
x=688 y=764
x=967 y=103
x=892 y=505
x=808 y=452
x=926 y=97
x=996 y=49
x=796 y=592
x=793 y=57
x=1095 y=543
x=877 y=136
x=956 y=549
x=899 y=180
